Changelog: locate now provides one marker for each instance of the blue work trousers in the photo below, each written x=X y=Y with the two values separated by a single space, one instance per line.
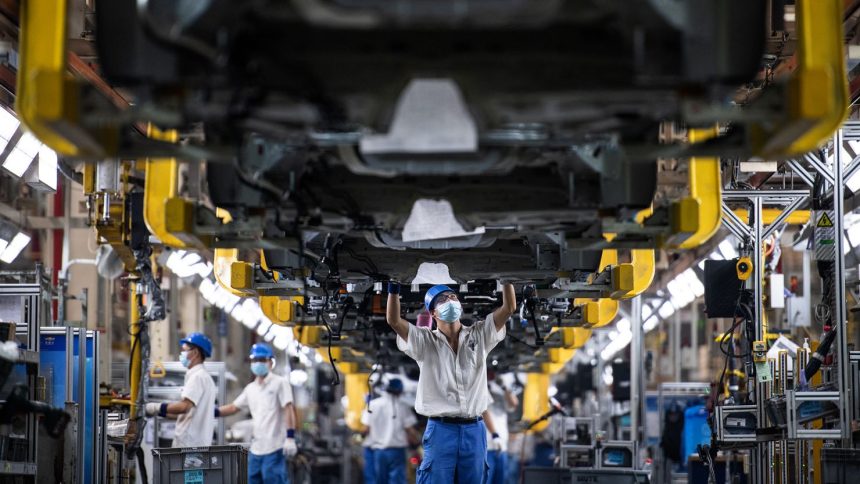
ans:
x=268 y=469
x=390 y=465
x=497 y=461
x=454 y=453
x=369 y=466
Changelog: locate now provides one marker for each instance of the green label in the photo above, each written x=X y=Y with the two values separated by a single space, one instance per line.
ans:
x=193 y=477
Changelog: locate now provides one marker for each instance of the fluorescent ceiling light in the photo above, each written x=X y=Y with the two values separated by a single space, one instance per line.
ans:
x=22 y=155
x=666 y=310
x=15 y=247
x=651 y=323
x=728 y=250
x=8 y=125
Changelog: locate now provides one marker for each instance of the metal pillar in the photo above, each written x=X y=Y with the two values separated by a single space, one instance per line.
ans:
x=761 y=455
x=839 y=319
x=636 y=367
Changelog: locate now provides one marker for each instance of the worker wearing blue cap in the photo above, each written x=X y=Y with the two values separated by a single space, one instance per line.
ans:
x=452 y=385
x=269 y=398
x=193 y=413
x=389 y=425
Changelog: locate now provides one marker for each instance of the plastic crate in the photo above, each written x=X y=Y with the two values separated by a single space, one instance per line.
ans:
x=219 y=464
x=839 y=465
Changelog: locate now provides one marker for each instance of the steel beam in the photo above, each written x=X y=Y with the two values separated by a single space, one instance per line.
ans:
x=820 y=166
x=840 y=322
x=801 y=172
x=771 y=196
x=784 y=215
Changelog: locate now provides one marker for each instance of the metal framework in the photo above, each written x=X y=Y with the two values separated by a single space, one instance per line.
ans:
x=836 y=173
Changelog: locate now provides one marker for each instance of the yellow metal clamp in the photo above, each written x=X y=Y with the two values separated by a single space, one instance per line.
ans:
x=817 y=93
x=706 y=188
x=223 y=270
x=281 y=310
x=162 y=184
x=47 y=96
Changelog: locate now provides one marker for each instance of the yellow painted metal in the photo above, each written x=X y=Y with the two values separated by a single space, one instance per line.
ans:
x=817 y=97
x=622 y=280
x=280 y=310
x=597 y=313
x=768 y=215
x=310 y=336
x=345 y=367
x=356 y=389
x=222 y=268
x=536 y=399
x=47 y=98
x=88 y=180
x=683 y=221
x=179 y=221
x=571 y=339
x=600 y=312
x=136 y=349
x=644 y=268
x=706 y=188
x=157 y=370
x=241 y=275
x=162 y=184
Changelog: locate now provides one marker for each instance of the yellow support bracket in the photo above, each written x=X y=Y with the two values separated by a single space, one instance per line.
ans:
x=768 y=215
x=162 y=184
x=536 y=399
x=310 y=336
x=643 y=262
x=683 y=221
x=817 y=93
x=223 y=269
x=356 y=389
x=622 y=280
x=706 y=188
x=280 y=310
x=47 y=96
x=598 y=312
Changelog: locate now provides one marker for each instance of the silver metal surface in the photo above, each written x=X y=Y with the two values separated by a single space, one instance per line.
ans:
x=801 y=172
x=636 y=374
x=777 y=223
x=772 y=196
x=839 y=316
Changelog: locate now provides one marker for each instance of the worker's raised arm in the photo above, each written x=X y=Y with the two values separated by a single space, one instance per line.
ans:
x=392 y=312
x=509 y=305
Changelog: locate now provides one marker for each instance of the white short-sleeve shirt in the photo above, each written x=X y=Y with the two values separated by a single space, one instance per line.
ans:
x=266 y=402
x=195 y=427
x=452 y=385
x=387 y=419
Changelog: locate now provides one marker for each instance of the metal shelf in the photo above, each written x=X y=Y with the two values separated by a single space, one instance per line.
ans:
x=28 y=356
x=10 y=468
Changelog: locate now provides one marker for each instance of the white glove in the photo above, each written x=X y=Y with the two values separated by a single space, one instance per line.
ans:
x=290 y=447
x=496 y=444
x=151 y=409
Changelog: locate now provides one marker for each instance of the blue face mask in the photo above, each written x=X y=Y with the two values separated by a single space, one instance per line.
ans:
x=449 y=312
x=259 y=368
x=183 y=358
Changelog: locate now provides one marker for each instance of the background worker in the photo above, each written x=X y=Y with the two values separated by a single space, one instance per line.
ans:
x=452 y=384
x=193 y=413
x=390 y=425
x=270 y=400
